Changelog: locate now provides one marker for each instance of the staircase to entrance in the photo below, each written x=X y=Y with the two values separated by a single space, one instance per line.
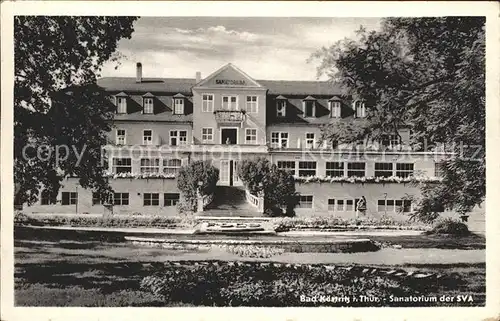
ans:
x=231 y=201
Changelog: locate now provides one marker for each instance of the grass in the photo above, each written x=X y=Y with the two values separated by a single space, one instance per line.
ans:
x=96 y=269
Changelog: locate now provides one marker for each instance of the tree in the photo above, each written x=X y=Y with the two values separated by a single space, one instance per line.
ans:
x=57 y=102
x=260 y=176
x=199 y=176
x=428 y=74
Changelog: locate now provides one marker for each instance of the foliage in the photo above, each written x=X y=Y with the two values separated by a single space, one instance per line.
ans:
x=108 y=221
x=268 y=285
x=334 y=223
x=191 y=176
x=260 y=176
x=427 y=74
x=451 y=227
x=41 y=295
x=367 y=179
x=253 y=251
x=56 y=101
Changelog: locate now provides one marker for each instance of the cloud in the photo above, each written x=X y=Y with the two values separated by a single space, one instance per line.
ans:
x=266 y=48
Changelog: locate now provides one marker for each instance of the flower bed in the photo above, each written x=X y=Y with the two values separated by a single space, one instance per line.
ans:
x=112 y=221
x=369 y=179
x=334 y=223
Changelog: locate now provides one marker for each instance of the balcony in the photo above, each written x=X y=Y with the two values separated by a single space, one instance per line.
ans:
x=229 y=116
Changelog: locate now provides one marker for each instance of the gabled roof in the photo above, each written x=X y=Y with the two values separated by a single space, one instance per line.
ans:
x=179 y=95
x=335 y=98
x=147 y=95
x=281 y=97
x=171 y=86
x=309 y=98
x=121 y=94
x=235 y=72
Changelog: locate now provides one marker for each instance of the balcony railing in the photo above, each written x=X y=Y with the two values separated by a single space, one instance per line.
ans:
x=229 y=116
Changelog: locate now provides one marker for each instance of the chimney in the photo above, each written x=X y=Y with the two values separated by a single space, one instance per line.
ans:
x=138 y=76
x=198 y=77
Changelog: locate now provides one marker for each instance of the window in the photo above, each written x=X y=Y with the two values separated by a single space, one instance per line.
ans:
x=151 y=199
x=403 y=206
x=404 y=169
x=97 y=200
x=383 y=169
x=331 y=204
x=46 y=199
x=150 y=165
x=69 y=198
x=360 y=109
x=207 y=135
x=349 y=205
x=310 y=140
x=120 y=137
x=281 y=108
x=147 y=137
x=307 y=168
x=171 y=166
x=179 y=106
x=178 y=137
x=251 y=136
x=207 y=103
x=387 y=205
x=340 y=205
x=391 y=140
x=335 y=169
x=438 y=169
x=170 y=199
x=309 y=108
x=148 y=106
x=335 y=109
x=288 y=166
x=229 y=103
x=381 y=206
x=279 y=140
x=120 y=199
x=122 y=165
x=305 y=201
x=121 y=103
x=251 y=104
x=356 y=169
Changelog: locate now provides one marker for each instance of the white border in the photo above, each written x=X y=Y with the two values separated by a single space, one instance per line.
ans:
x=248 y=9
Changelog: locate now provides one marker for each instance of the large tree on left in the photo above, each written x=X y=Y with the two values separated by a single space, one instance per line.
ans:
x=57 y=103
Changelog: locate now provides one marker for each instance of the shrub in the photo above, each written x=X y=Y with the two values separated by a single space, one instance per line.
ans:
x=253 y=251
x=189 y=178
x=278 y=186
x=110 y=221
x=329 y=222
x=451 y=227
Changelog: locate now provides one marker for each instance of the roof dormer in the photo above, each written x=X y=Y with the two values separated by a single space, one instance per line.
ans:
x=121 y=103
x=148 y=102
x=281 y=102
x=334 y=105
x=359 y=108
x=309 y=106
x=179 y=102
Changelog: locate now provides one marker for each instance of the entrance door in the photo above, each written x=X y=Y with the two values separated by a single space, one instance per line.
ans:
x=225 y=169
x=229 y=136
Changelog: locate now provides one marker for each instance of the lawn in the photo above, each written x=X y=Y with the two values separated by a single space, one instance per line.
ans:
x=88 y=269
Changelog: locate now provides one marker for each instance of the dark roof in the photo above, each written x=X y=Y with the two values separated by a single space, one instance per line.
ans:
x=166 y=116
x=183 y=86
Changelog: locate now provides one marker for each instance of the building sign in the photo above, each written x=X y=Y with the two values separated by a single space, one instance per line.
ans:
x=230 y=82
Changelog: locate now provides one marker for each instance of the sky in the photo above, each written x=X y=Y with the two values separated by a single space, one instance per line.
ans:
x=265 y=48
